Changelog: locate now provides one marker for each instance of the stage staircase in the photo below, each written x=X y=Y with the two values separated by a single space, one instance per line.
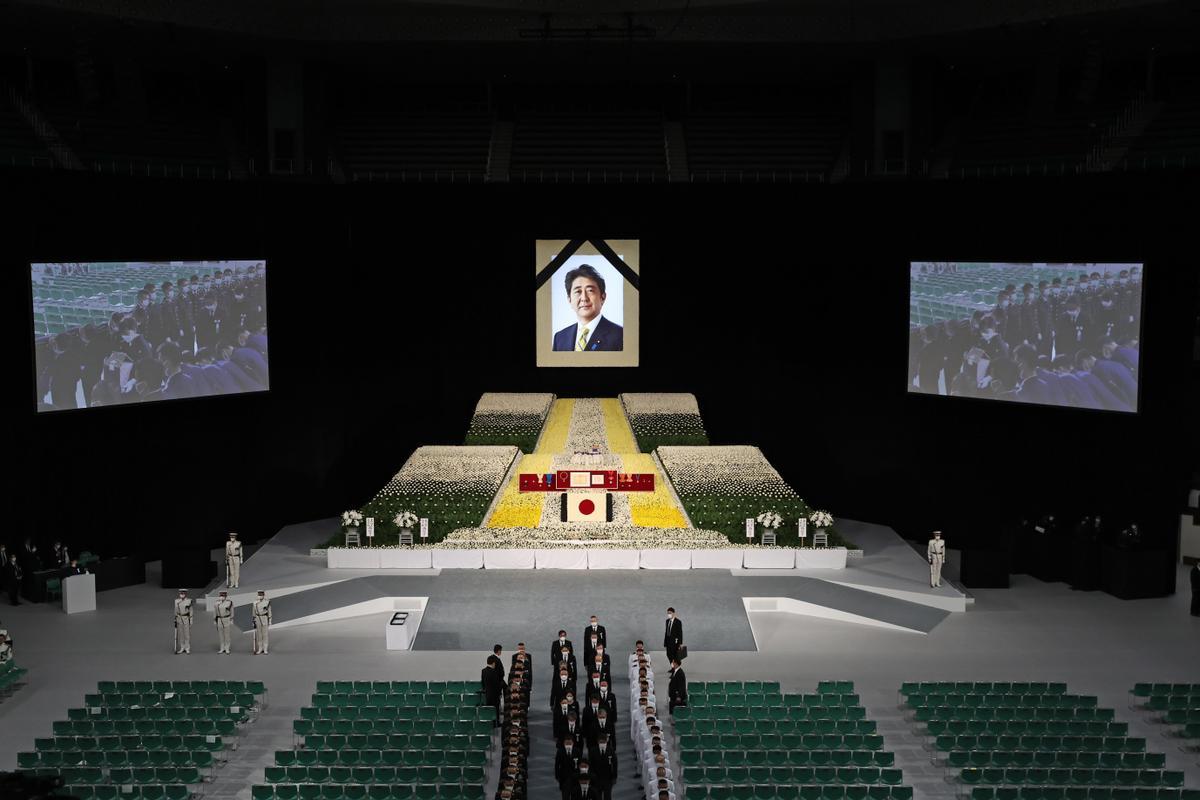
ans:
x=64 y=156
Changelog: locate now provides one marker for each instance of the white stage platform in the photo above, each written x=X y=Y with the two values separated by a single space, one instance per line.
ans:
x=749 y=558
x=887 y=587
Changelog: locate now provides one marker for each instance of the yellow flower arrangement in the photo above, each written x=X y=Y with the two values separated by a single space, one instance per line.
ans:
x=558 y=425
x=616 y=428
x=518 y=509
x=655 y=509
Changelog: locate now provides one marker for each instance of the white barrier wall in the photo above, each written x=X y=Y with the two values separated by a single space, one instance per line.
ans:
x=582 y=558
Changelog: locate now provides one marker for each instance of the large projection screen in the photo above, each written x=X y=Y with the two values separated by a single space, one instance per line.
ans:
x=1059 y=334
x=587 y=302
x=109 y=333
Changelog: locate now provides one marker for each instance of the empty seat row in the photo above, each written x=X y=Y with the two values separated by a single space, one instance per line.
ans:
x=808 y=741
x=799 y=727
x=426 y=687
x=10 y=675
x=1077 y=776
x=1066 y=758
x=774 y=698
x=1051 y=744
x=345 y=727
x=451 y=712
x=794 y=775
x=726 y=711
x=173 y=791
x=1155 y=689
x=1009 y=700
x=169 y=699
x=769 y=791
x=1020 y=713
x=115 y=759
x=122 y=687
x=368 y=775
x=1081 y=793
x=982 y=687
x=130 y=742
x=323 y=699
x=317 y=745
x=146 y=727
x=375 y=791
x=704 y=687
x=1168 y=702
x=1021 y=727
x=394 y=758
x=173 y=712
x=692 y=756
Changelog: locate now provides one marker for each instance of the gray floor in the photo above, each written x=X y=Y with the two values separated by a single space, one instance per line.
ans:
x=1096 y=643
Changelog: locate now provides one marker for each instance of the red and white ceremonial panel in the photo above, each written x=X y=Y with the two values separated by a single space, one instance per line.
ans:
x=586 y=506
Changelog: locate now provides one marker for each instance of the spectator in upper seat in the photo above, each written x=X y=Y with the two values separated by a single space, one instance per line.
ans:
x=176 y=384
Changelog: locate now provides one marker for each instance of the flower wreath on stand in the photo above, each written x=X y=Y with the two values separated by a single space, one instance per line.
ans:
x=770 y=520
x=820 y=519
x=405 y=520
x=351 y=519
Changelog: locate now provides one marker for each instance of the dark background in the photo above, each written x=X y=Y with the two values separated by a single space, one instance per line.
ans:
x=795 y=298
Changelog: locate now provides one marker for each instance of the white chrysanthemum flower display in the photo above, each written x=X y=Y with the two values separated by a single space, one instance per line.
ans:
x=509 y=418
x=608 y=537
x=820 y=519
x=769 y=519
x=405 y=519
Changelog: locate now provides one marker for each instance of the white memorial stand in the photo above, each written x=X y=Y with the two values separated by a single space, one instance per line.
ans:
x=398 y=627
x=79 y=593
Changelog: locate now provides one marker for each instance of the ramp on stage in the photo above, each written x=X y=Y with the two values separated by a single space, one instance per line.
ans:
x=473 y=609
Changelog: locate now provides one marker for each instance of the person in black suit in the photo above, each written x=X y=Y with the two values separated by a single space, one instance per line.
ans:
x=603 y=760
x=1073 y=329
x=490 y=683
x=591 y=331
x=677 y=688
x=563 y=706
x=584 y=789
x=1195 y=575
x=209 y=321
x=566 y=765
x=673 y=635
x=568 y=727
x=496 y=651
x=567 y=659
x=525 y=658
x=12 y=580
x=556 y=648
x=596 y=630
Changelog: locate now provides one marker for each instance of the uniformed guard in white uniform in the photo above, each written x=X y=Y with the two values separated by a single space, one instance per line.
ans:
x=233 y=562
x=936 y=553
x=183 y=623
x=223 y=619
x=262 y=623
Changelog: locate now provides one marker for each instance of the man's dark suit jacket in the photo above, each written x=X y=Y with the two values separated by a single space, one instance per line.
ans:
x=607 y=336
x=490 y=682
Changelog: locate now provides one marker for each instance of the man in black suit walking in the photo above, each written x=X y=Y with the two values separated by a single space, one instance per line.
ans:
x=673 y=635
x=593 y=630
x=489 y=679
x=677 y=688
x=603 y=759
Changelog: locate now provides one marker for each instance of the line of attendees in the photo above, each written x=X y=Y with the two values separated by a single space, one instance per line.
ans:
x=206 y=336
x=1073 y=345
x=585 y=760
x=514 y=725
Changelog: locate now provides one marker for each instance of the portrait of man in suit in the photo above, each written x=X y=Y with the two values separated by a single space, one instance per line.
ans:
x=591 y=332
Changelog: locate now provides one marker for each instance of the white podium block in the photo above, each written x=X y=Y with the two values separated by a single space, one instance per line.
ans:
x=79 y=593
x=398 y=631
